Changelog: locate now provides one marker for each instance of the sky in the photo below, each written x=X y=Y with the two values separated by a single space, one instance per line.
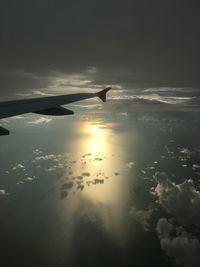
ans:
x=133 y=45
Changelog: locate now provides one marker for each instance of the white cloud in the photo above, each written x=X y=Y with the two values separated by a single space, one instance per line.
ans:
x=92 y=106
x=185 y=151
x=41 y=93
x=152 y=98
x=52 y=157
x=58 y=161
x=37 y=152
x=41 y=120
x=180 y=200
x=46 y=157
x=92 y=70
x=51 y=169
x=15 y=118
x=130 y=164
x=59 y=79
x=196 y=166
x=38 y=92
x=18 y=166
x=2 y=192
x=29 y=178
x=150 y=168
x=178 y=244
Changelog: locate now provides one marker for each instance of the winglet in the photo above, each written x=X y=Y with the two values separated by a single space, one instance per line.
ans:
x=102 y=93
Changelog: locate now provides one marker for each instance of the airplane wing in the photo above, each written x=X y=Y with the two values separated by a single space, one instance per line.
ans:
x=51 y=105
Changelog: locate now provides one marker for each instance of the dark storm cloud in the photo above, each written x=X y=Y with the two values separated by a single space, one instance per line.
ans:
x=134 y=43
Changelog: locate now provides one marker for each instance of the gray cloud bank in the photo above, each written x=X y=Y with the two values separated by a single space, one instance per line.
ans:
x=137 y=44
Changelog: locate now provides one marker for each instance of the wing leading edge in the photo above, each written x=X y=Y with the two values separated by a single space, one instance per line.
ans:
x=45 y=105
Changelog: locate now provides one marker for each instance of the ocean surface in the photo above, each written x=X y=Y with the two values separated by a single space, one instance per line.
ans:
x=100 y=189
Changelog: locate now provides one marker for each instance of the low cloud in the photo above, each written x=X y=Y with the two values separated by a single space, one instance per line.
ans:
x=46 y=157
x=29 y=178
x=41 y=120
x=178 y=244
x=2 y=192
x=18 y=166
x=130 y=164
x=90 y=107
x=180 y=200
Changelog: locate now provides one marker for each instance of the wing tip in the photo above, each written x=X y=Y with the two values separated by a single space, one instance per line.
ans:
x=102 y=94
x=4 y=131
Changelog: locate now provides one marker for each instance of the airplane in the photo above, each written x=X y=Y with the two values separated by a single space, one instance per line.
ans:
x=51 y=105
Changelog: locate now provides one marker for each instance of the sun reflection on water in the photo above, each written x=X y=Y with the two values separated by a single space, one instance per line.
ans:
x=97 y=140
x=101 y=177
x=105 y=162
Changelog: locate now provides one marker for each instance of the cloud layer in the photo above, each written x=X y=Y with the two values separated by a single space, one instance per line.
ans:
x=140 y=44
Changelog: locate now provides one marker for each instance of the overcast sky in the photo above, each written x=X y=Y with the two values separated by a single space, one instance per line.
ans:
x=132 y=43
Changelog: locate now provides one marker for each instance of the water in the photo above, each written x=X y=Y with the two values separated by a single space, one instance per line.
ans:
x=81 y=191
